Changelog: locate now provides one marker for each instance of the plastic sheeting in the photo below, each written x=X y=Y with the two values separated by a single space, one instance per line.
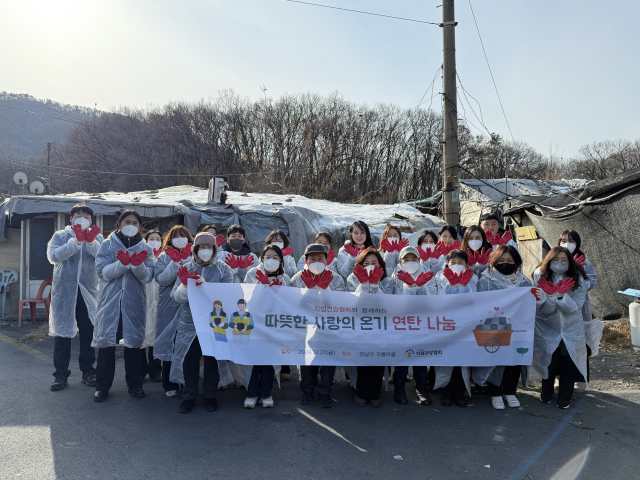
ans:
x=152 y=290
x=121 y=294
x=74 y=267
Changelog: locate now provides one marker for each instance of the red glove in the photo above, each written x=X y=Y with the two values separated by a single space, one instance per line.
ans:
x=387 y=246
x=186 y=251
x=220 y=240
x=325 y=279
x=91 y=234
x=308 y=279
x=245 y=262
x=483 y=257
x=353 y=251
x=473 y=256
x=262 y=277
x=424 y=278
x=361 y=274
x=232 y=261
x=376 y=275
x=157 y=252
x=402 y=243
x=546 y=286
x=505 y=238
x=331 y=256
x=444 y=249
x=538 y=293
x=287 y=251
x=183 y=274
x=493 y=240
x=275 y=281
x=451 y=276
x=173 y=254
x=580 y=259
x=138 y=258
x=465 y=277
x=424 y=254
x=437 y=252
x=80 y=235
x=124 y=257
x=564 y=286
x=456 y=245
x=406 y=278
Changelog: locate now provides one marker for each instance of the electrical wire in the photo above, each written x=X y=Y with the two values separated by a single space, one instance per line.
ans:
x=39 y=104
x=366 y=13
x=488 y=65
x=430 y=88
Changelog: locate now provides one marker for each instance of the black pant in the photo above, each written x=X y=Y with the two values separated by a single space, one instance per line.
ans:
x=106 y=366
x=285 y=369
x=62 y=346
x=166 y=383
x=309 y=379
x=400 y=373
x=369 y=382
x=261 y=381
x=580 y=377
x=561 y=366
x=191 y=370
x=456 y=387
x=509 y=385
x=150 y=366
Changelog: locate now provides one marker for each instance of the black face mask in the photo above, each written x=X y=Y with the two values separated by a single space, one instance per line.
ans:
x=506 y=268
x=236 y=244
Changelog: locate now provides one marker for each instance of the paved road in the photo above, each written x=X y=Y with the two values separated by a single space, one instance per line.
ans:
x=64 y=434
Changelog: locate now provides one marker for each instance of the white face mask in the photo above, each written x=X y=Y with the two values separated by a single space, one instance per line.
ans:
x=155 y=244
x=430 y=246
x=410 y=267
x=280 y=245
x=129 y=231
x=457 y=268
x=475 y=244
x=83 y=222
x=569 y=246
x=180 y=242
x=271 y=264
x=205 y=255
x=559 y=267
x=316 y=268
x=369 y=268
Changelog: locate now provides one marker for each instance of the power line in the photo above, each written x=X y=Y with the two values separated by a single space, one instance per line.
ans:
x=488 y=65
x=38 y=104
x=24 y=132
x=429 y=88
x=366 y=13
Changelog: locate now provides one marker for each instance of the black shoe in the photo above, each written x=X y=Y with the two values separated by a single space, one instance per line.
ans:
x=421 y=391
x=445 y=401
x=89 y=379
x=461 y=402
x=100 y=396
x=325 y=401
x=563 y=403
x=59 y=383
x=187 y=405
x=210 y=404
x=136 y=392
x=306 y=399
x=399 y=394
x=157 y=377
x=546 y=398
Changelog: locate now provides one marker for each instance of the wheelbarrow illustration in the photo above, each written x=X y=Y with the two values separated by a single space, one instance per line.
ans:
x=494 y=333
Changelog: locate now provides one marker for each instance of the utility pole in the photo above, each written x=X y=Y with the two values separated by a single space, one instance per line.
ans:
x=451 y=170
x=47 y=190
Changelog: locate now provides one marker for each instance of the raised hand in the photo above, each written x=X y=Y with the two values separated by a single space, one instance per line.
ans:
x=451 y=276
x=437 y=251
x=186 y=251
x=465 y=277
x=566 y=285
x=308 y=279
x=287 y=251
x=505 y=238
x=493 y=240
x=538 y=293
x=387 y=246
x=80 y=235
x=424 y=278
x=220 y=240
x=331 y=256
x=406 y=278
x=546 y=286
x=124 y=257
x=183 y=274
x=173 y=254
x=353 y=251
x=325 y=279
x=157 y=252
x=138 y=258
x=361 y=274
x=456 y=245
x=473 y=256
x=425 y=254
x=275 y=281
x=91 y=234
x=483 y=256
x=580 y=259
x=232 y=261
x=376 y=275
x=262 y=277
x=245 y=262
x=402 y=243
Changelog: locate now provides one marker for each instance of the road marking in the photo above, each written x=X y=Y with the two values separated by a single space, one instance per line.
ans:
x=327 y=427
x=25 y=348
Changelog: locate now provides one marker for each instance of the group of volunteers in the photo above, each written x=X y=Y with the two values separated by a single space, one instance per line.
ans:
x=131 y=290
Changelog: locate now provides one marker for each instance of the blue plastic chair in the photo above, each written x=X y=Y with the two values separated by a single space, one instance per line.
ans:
x=7 y=277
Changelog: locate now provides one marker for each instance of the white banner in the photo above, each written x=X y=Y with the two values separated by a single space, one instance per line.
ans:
x=261 y=325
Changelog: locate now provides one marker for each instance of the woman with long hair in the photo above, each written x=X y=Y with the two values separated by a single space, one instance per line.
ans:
x=475 y=243
x=150 y=365
x=390 y=245
x=359 y=239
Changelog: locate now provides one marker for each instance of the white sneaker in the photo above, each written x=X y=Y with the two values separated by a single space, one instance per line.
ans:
x=250 y=402
x=497 y=403
x=512 y=401
x=267 y=402
x=172 y=393
x=580 y=386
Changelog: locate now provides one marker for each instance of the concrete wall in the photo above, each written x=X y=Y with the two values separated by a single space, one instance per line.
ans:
x=10 y=260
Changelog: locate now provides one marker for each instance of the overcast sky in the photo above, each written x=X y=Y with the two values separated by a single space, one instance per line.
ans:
x=567 y=71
